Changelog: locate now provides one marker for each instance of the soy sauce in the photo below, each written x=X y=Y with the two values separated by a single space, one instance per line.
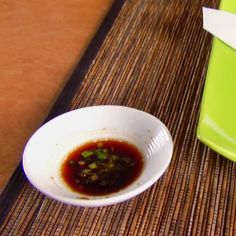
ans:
x=102 y=167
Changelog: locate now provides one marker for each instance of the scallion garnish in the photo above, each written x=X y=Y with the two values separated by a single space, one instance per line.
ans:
x=86 y=154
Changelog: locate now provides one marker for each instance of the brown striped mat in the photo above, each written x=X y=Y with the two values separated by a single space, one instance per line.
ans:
x=151 y=55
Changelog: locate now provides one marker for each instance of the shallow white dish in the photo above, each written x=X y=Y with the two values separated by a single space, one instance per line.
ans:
x=48 y=147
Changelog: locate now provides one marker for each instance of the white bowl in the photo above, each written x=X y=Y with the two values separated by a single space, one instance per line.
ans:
x=49 y=146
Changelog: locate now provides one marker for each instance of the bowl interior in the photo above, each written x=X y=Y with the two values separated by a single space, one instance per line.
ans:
x=49 y=146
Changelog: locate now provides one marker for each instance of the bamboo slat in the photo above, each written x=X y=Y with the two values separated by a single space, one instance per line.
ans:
x=151 y=55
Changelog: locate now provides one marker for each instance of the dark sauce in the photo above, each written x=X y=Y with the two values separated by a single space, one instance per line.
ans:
x=102 y=167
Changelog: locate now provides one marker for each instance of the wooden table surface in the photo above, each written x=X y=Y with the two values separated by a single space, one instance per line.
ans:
x=151 y=55
x=40 y=45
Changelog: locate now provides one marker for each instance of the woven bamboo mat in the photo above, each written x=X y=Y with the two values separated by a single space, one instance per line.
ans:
x=151 y=55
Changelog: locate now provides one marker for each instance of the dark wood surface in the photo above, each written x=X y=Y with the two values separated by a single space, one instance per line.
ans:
x=151 y=55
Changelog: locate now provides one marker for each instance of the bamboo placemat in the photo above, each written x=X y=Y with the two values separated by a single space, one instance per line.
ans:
x=152 y=56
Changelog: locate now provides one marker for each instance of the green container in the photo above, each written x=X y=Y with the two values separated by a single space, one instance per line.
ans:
x=217 y=122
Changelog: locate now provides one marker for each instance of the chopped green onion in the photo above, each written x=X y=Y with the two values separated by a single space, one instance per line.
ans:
x=92 y=165
x=100 y=154
x=86 y=154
